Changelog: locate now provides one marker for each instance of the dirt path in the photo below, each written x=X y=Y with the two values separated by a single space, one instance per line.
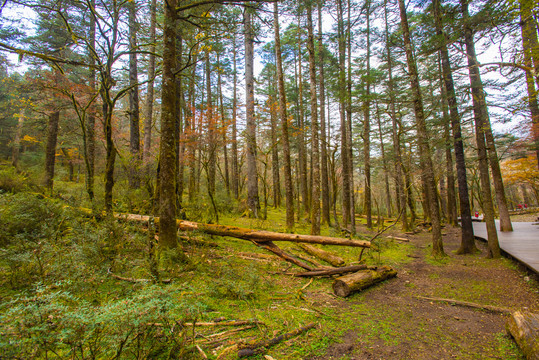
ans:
x=392 y=323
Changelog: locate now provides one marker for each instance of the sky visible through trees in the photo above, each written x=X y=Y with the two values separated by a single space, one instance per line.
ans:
x=364 y=119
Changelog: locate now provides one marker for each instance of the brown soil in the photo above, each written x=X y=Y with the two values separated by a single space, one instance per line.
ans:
x=406 y=327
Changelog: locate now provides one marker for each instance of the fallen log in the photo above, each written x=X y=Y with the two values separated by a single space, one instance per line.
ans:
x=490 y=308
x=224 y=323
x=398 y=238
x=268 y=245
x=251 y=349
x=334 y=271
x=252 y=234
x=524 y=327
x=348 y=284
x=323 y=255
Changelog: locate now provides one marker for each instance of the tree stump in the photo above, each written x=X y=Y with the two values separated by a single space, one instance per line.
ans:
x=349 y=284
x=524 y=327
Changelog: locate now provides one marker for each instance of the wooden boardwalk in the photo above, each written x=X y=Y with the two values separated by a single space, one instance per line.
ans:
x=522 y=243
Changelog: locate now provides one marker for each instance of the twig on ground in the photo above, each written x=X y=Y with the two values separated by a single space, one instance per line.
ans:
x=491 y=308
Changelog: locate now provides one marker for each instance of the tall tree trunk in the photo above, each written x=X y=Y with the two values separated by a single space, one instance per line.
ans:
x=367 y=125
x=529 y=36
x=192 y=153
x=467 y=244
x=349 y=141
x=253 y=201
x=303 y=185
x=179 y=132
x=134 y=116
x=289 y=191
x=235 y=167
x=167 y=150
x=505 y=220
x=90 y=123
x=275 y=177
x=148 y=116
x=323 y=142
x=399 y=171
x=384 y=162
x=315 y=152
x=346 y=185
x=50 y=149
x=480 y=118
x=16 y=145
x=449 y=172
x=224 y=126
x=424 y=147
x=211 y=128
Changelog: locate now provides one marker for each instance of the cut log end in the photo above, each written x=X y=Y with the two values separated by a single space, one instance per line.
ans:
x=524 y=327
x=346 y=285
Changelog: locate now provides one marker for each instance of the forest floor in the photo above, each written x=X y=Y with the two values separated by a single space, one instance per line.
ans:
x=393 y=323
x=63 y=293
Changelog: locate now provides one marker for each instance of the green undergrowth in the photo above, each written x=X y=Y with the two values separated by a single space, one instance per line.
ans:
x=60 y=295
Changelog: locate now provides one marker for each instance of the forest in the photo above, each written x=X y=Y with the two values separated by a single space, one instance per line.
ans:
x=214 y=179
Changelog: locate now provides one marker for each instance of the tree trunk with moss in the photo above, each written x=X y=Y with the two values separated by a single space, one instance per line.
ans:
x=253 y=201
x=289 y=190
x=323 y=142
x=315 y=143
x=422 y=134
x=467 y=244
x=50 y=149
x=167 y=150
x=395 y=133
x=531 y=56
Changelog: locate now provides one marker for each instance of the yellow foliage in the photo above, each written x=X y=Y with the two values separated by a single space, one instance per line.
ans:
x=521 y=171
x=30 y=139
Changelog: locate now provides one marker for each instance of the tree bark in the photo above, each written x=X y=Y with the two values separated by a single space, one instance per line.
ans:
x=134 y=116
x=529 y=36
x=16 y=145
x=384 y=162
x=480 y=117
x=224 y=126
x=323 y=142
x=90 y=124
x=467 y=244
x=424 y=147
x=289 y=190
x=349 y=141
x=347 y=285
x=148 y=116
x=275 y=168
x=334 y=271
x=167 y=150
x=50 y=149
x=303 y=184
x=346 y=186
x=323 y=255
x=449 y=172
x=524 y=327
x=315 y=144
x=251 y=234
x=212 y=157
x=235 y=166
x=253 y=201
x=399 y=171
x=367 y=125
